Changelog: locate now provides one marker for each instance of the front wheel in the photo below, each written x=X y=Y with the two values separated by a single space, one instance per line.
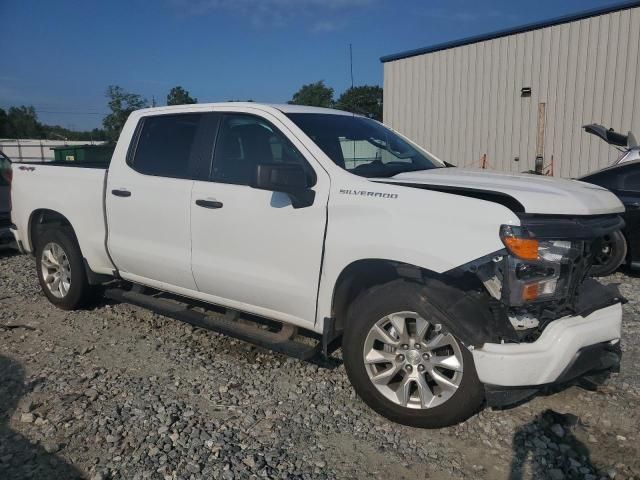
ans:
x=404 y=362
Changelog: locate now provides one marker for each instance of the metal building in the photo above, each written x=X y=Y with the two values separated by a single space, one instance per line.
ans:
x=519 y=93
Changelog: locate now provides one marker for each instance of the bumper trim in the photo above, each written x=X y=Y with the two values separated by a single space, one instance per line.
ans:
x=589 y=366
x=593 y=359
x=547 y=359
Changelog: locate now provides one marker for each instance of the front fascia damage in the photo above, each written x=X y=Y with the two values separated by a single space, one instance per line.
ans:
x=477 y=290
x=579 y=295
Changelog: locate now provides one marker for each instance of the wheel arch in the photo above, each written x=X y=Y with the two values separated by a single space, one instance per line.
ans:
x=42 y=217
x=473 y=316
x=365 y=273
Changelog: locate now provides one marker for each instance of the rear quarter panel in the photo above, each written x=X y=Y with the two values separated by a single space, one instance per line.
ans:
x=74 y=192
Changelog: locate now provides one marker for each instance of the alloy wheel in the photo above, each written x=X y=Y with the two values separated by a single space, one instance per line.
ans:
x=412 y=362
x=56 y=270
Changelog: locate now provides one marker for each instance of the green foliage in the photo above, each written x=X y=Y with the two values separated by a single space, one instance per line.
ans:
x=314 y=95
x=179 y=96
x=364 y=100
x=56 y=132
x=22 y=122
x=121 y=103
x=4 y=124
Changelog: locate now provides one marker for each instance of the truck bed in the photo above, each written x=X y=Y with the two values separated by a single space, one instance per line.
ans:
x=76 y=191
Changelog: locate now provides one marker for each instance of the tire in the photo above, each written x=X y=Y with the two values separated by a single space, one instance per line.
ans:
x=73 y=290
x=404 y=299
x=613 y=254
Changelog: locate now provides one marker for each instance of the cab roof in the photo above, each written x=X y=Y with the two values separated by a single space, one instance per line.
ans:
x=283 y=107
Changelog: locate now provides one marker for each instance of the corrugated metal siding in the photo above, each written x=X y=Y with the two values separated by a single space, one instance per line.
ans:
x=464 y=102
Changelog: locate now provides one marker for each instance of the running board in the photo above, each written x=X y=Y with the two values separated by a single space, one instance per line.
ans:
x=228 y=325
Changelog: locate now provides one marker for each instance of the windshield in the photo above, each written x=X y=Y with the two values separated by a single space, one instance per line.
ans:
x=362 y=146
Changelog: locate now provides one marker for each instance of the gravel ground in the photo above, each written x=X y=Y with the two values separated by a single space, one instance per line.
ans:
x=118 y=392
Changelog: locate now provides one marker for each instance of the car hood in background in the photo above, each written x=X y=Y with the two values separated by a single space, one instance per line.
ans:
x=536 y=193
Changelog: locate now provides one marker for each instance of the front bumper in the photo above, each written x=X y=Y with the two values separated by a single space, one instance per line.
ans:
x=544 y=361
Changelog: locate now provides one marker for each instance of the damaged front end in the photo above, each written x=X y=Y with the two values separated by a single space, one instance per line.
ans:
x=565 y=325
x=543 y=272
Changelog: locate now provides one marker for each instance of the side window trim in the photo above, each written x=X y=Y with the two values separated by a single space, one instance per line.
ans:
x=214 y=145
x=223 y=114
x=133 y=146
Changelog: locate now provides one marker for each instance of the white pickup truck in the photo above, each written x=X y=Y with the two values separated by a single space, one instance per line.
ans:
x=447 y=289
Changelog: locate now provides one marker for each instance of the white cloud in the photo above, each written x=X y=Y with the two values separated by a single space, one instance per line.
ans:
x=324 y=26
x=320 y=13
x=469 y=16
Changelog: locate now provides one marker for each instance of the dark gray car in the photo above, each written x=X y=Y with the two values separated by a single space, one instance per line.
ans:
x=6 y=236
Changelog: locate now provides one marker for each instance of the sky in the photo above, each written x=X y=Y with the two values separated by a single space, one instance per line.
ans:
x=60 y=56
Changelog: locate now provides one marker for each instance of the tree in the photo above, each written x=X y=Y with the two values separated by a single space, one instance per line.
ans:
x=179 y=96
x=4 y=124
x=314 y=95
x=22 y=122
x=364 y=100
x=121 y=103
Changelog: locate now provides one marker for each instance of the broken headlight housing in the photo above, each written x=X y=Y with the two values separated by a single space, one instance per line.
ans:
x=537 y=269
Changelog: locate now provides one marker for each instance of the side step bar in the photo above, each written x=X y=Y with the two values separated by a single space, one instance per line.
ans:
x=277 y=341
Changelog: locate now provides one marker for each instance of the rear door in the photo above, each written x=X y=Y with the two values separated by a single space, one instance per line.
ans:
x=251 y=249
x=149 y=197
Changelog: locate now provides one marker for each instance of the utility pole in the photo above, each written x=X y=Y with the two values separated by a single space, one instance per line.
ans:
x=153 y=100
x=351 y=62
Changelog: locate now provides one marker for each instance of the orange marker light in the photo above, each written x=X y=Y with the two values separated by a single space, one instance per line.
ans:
x=525 y=248
x=530 y=292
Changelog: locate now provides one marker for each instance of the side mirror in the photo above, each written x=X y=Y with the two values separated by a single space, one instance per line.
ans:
x=286 y=178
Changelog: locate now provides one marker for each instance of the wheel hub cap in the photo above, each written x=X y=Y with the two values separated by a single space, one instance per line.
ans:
x=413 y=357
x=413 y=362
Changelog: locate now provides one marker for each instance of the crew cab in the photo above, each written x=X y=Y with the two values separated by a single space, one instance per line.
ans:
x=447 y=289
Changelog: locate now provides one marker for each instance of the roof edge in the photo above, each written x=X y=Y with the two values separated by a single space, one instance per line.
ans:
x=594 y=12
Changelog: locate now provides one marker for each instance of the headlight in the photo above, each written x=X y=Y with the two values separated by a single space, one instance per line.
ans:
x=520 y=242
x=537 y=269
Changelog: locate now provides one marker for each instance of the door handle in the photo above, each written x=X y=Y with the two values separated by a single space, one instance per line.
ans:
x=208 y=203
x=121 y=193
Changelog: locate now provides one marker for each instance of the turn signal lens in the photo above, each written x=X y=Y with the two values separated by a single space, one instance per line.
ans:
x=524 y=248
x=530 y=292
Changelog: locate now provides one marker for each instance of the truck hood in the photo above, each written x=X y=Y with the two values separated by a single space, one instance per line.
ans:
x=536 y=193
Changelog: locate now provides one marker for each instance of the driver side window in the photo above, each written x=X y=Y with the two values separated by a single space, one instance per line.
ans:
x=244 y=142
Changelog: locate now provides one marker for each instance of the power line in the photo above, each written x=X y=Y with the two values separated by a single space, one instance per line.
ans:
x=64 y=112
x=73 y=113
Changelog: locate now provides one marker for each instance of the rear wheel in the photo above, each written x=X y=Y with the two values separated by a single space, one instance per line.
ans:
x=611 y=255
x=405 y=363
x=61 y=269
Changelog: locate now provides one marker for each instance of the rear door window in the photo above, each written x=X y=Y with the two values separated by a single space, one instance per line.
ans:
x=176 y=146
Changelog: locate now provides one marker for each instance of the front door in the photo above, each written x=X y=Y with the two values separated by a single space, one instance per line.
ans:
x=251 y=249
